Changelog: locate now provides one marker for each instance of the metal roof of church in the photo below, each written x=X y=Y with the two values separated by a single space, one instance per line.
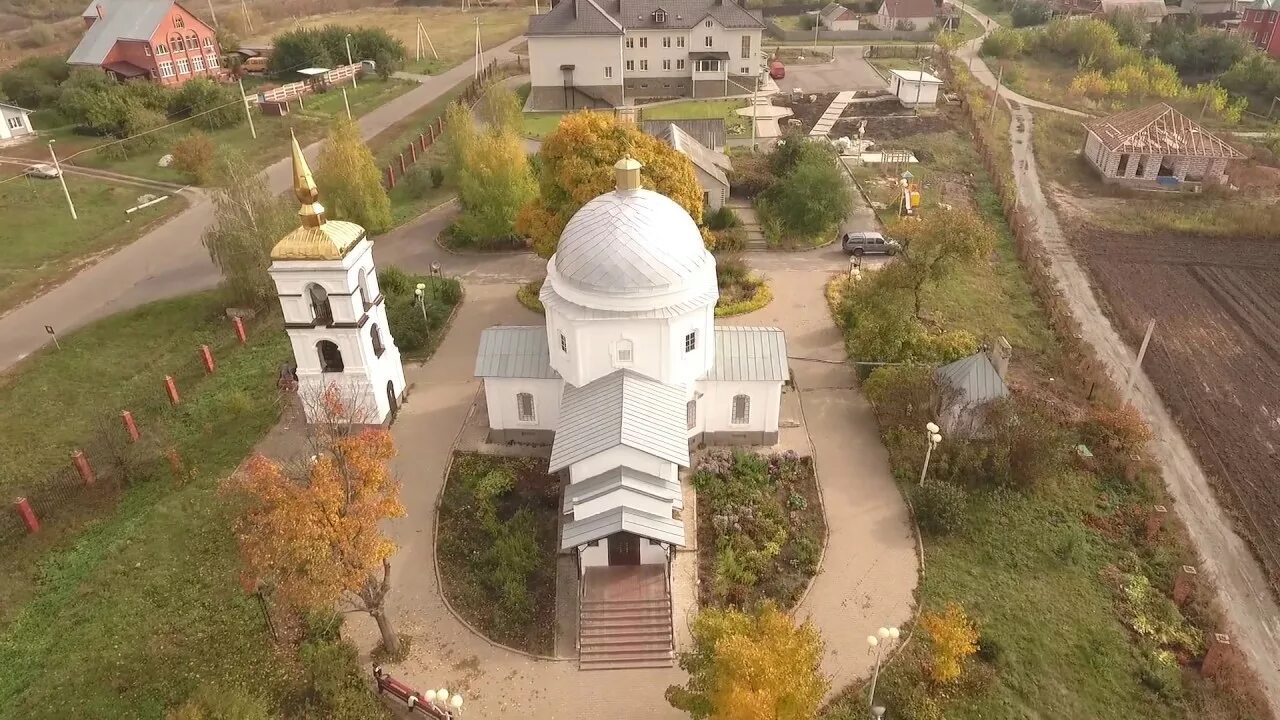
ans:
x=621 y=408
x=621 y=519
x=621 y=477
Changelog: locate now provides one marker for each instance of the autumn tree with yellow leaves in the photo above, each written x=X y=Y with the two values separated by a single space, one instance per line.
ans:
x=952 y=639
x=312 y=531
x=751 y=666
x=577 y=162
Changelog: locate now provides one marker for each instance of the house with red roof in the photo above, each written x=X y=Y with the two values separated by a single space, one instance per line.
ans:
x=156 y=40
x=907 y=14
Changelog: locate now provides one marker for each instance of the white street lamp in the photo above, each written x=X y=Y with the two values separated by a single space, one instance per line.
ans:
x=419 y=292
x=932 y=438
x=876 y=644
x=877 y=712
x=456 y=703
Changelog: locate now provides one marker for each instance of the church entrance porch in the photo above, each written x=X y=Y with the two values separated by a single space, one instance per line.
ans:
x=624 y=549
x=625 y=617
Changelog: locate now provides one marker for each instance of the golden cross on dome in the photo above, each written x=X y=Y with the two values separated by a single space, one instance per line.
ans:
x=304 y=188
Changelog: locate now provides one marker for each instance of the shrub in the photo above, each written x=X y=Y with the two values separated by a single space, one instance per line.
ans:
x=1027 y=441
x=1003 y=43
x=33 y=83
x=437 y=176
x=723 y=218
x=903 y=395
x=952 y=638
x=728 y=241
x=751 y=174
x=1119 y=429
x=334 y=686
x=194 y=155
x=528 y=296
x=211 y=104
x=1026 y=14
x=404 y=313
x=327 y=47
x=940 y=507
x=813 y=194
x=416 y=182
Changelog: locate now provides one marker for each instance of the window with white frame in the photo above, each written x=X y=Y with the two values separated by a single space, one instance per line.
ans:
x=660 y=16
x=162 y=49
x=746 y=70
x=680 y=41
x=524 y=407
x=644 y=42
x=193 y=42
x=211 y=61
x=177 y=21
x=15 y=123
x=608 y=71
x=680 y=64
x=708 y=23
x=666 y=64
x=631 y=65
x=691 y=341
x=631 y=42
x=564 y=343
x=623 y=353
x=708 y=66
x=741 y=410
x=197 y=63
x=666 y=41
x=166 y=69
x=183 y=68
x=644 y=65
x=707 y=41
x=746 y=46
x=146 y=50
x=208 y=42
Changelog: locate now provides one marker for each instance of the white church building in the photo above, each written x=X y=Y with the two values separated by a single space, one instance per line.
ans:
x=333 y=312
x=630 y=372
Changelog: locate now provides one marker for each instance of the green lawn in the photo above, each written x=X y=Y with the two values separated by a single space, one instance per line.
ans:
x=126 y=602
x=43 y=244
x=539 y=125
x=994 y=9
x=737 y=125
x=310 y=124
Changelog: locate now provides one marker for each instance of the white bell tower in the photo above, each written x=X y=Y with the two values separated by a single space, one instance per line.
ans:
x=333 y=311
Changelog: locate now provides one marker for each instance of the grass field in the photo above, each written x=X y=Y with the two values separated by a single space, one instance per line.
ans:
x=310 y=124
x=124 y=613
x=451 y=30
x=43 y=245
x=737 y=125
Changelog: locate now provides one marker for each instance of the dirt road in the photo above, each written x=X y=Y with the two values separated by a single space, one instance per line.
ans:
x=1251 y=612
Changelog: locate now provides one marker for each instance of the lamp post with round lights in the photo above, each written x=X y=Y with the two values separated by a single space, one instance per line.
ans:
x=932 y=438
x=420 y=295
x=876 y=644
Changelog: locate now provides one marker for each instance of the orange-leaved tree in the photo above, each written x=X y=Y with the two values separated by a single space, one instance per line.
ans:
x=751 y=666
x=953 y=638
x=312 y=531
x=577 y=161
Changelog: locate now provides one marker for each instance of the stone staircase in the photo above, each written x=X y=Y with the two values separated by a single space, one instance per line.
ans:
x=618 y=634
x=751 y=224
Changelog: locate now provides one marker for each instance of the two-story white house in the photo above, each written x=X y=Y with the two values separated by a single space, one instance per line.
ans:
x=600 y=53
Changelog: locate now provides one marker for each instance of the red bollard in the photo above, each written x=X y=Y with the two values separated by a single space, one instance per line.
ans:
x=239 y=323
x=171 y=388
x=130 y=426
x=83 y=467
x=28 y=515
x=207 y=357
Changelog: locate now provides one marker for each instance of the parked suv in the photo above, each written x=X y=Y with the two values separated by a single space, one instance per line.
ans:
x=868 y=243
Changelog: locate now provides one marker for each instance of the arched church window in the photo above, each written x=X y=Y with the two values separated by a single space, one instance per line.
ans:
x=321 y=311
x=524 y=407
x=375 y=334
x=363 y=282
x=330 y=356
x=741 y=410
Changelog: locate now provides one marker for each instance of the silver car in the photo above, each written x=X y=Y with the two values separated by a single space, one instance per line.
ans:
x=868 y=243
x=44 y=171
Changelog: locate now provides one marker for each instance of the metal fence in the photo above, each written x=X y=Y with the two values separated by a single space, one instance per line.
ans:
x=871 y=36
x=126 y=444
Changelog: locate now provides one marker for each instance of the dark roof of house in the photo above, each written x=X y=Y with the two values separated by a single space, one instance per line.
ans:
x=910 y=8
x=1159 y=129
x=614 y=17
x=709 y=132
x=834 y=11
x=121 y=20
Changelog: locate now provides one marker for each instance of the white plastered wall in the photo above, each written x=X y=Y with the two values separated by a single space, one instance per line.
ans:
x=504 y=413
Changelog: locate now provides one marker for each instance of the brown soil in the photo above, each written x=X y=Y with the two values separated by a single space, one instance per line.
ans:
x=1214 y=356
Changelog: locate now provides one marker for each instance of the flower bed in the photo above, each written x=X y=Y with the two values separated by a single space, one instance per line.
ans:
x=496 y=547
x=741 y=291
x=528 y=296
x=760 y=527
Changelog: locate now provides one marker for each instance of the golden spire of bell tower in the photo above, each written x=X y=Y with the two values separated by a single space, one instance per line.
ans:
x=304 y=188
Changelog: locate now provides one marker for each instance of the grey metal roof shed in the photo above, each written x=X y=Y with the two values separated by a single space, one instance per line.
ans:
x=975 y=378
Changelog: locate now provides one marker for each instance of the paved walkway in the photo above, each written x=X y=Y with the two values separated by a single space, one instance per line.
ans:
x=832 y=113
x=170 y=261
x=968 y=53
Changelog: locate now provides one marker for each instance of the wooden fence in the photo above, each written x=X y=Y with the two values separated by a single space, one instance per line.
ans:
x=289 y=91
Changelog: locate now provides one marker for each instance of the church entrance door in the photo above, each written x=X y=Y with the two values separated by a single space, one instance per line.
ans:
x=624 y=549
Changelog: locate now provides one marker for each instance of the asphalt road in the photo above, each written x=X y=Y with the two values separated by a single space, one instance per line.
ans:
x=170 y=261
x=848 y=71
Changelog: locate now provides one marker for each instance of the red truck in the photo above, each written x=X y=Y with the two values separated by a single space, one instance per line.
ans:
x=776 y=70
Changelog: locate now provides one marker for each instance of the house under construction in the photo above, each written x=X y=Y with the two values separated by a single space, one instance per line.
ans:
x=1156 y=148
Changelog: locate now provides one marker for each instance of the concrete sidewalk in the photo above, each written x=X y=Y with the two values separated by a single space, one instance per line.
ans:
x=170 y=261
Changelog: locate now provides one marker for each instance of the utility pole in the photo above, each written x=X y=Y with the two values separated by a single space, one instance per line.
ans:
x=248 y=21
x=247 y=113
x=1137 y=363
x=62 y=179
x=355 y=72
x=479 y=50
x=754 y=109
x=345 y=103
x=422 y=33
x=213 y=15
x=995 y=100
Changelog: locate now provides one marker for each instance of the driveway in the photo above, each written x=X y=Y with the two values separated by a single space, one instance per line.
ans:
x=170 y=261
x=848 y=71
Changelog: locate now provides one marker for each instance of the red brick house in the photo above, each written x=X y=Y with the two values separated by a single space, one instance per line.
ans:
x=1258 y=26
x=159 y=40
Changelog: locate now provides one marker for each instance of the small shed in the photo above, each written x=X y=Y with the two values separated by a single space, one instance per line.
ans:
x=710 y=167
x=1156 y=148
x=914 y=87
x=837 y=17
x=15 y=122
x=971 y=383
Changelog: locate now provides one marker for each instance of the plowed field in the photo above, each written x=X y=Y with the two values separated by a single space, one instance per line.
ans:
x=1215 y=356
